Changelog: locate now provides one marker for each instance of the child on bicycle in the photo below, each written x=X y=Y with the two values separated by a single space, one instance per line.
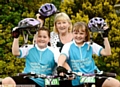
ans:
x=60 y=35
x=40 y=59
x=78 y=53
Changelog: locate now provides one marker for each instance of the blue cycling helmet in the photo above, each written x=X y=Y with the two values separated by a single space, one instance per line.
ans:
x=96 y=24
x=47 y=10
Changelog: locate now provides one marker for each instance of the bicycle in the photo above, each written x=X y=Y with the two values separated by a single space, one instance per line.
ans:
x=88 y=80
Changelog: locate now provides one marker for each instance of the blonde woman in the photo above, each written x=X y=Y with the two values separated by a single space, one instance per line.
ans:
x=62 y=31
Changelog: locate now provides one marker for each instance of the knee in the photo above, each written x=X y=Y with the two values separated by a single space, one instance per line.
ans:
x=111 y=82
x=8 y=80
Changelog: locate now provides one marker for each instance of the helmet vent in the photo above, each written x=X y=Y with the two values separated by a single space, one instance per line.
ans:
x=20 y=23
x=46 y=8
x=31 y=20
x=95 y=19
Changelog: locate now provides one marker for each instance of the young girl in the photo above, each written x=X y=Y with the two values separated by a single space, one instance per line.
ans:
x=79 y=57
x=40 y=59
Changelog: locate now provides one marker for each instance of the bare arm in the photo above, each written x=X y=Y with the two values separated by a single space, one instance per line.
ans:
x=41 y=24
x=61 y=60
x=41 y=21
x=15 y=47
x=107 y=50
x=65 y=65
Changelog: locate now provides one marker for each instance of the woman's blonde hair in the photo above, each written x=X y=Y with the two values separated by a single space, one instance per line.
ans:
x=62 y=16
x=83 y=27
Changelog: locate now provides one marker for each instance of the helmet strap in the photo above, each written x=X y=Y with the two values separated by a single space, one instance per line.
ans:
x=29 y=32
x=96 y=29
x=34 y=42
x=100 y=32
x=25 y=37
x=91 y=42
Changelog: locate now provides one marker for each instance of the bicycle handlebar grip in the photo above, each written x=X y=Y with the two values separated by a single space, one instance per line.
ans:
x=21 y=74
x=108 y=74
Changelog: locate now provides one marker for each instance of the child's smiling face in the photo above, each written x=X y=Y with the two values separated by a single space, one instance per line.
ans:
x=79 y=36
x=42 y=39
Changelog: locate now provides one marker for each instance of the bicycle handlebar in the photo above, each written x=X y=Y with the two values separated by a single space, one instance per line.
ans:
x=43 y=76
x=34 y=75
x=68 y=75
x=97 y=74
x=108 y=74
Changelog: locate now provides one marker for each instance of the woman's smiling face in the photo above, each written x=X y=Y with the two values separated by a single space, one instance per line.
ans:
x=62 y=26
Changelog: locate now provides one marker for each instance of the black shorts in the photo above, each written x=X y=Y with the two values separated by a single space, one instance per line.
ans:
x=24 y=82
x=66 y=83
x=99 y=82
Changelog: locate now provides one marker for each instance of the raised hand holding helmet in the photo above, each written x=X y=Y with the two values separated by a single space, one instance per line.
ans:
x=28 y=24
x=106 y=31
x=46 y=10
x=15 y=32
x=98 y=24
